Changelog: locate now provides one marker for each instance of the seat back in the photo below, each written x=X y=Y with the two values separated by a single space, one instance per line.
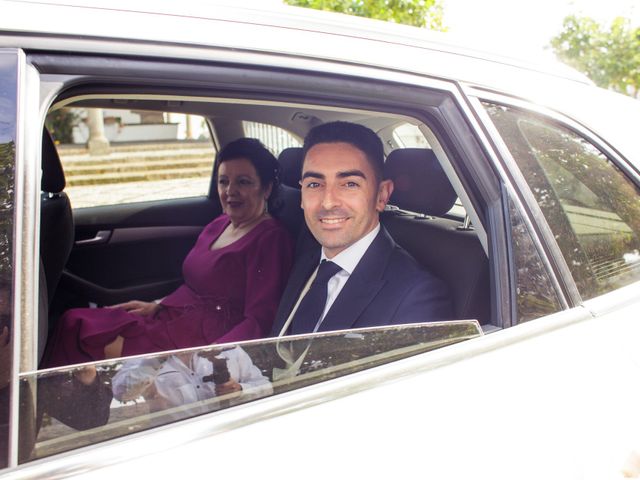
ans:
x=453 y=255
x=56 y=218
x=289 y=211
x=290 y=160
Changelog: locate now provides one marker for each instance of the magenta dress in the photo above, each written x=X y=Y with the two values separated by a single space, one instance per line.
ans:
x=229 y=294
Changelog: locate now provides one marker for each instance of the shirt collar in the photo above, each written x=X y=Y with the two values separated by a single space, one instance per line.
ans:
x=348 y=258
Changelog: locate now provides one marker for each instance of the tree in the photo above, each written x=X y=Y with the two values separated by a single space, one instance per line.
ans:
x=609 y=57
x=419 y=13
x=60 y=124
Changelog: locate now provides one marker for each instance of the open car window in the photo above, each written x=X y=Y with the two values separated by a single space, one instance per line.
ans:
x=89 y=403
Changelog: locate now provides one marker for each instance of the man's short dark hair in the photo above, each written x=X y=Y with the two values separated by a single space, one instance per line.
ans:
x=359 y=136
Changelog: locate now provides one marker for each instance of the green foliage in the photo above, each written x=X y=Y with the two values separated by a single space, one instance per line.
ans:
x=610 y=57
x=60 y=124
x=419 y=13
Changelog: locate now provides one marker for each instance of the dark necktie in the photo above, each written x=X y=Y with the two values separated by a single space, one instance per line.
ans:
x=313 y=303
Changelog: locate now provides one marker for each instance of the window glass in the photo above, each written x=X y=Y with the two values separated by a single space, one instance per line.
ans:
x=535 y=294
x=91 y=403
x=409 y=136
x=590 y=205
x=274 y=138
x=8 y=112
x=113 y=156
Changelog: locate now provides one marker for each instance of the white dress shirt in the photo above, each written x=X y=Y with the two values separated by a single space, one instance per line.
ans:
x=178 y=381
x=347 y=260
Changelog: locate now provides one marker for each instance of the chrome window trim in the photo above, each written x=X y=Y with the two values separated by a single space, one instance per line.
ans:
x=522 y=196
x=26 y=233
x=31 y=239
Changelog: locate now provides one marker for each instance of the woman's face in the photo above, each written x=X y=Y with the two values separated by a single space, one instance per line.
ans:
x=242 y=196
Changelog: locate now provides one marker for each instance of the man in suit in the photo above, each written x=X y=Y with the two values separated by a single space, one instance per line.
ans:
x=359 y=277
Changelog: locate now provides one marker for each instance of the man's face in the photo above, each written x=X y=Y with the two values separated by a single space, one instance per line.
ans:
x=340 y=195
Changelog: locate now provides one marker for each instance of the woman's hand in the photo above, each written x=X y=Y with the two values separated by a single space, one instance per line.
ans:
x=146 y=309
x=228 y=387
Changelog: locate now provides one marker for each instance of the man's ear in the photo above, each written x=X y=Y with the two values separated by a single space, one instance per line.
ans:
x=385 y=189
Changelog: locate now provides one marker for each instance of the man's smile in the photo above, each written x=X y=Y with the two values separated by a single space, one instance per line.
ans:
x=333 y=221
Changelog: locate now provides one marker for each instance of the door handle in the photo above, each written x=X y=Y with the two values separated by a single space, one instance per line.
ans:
x=102 y=236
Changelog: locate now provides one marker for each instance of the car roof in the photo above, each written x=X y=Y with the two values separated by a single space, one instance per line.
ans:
x=318 y=34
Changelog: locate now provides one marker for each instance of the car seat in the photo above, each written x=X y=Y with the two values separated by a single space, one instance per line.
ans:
x=56 y=217
x=453 y=254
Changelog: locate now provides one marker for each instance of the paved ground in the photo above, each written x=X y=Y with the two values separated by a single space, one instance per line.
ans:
x=116 y=193
x=188 y=166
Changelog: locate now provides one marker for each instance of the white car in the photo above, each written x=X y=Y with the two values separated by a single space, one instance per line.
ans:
x=517 y=183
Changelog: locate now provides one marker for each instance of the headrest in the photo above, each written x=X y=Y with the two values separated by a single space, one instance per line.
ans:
x=52 y=174
x=420 y=184
x=290 y=160
x=289 y=211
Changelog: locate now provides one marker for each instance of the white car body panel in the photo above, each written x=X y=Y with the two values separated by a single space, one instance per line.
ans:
x=554 y=398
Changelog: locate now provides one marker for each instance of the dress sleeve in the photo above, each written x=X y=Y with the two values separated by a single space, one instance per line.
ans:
x=268 y=263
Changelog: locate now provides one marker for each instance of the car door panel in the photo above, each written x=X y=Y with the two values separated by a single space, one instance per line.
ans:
x=133 y=251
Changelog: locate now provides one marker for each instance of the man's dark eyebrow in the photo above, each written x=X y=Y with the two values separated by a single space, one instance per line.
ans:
x=351 y=173
x=317 y=175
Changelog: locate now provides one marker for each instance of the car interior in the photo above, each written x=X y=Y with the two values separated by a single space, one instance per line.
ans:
x=102 y=255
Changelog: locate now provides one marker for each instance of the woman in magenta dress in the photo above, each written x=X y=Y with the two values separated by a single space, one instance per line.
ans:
x=233 y=277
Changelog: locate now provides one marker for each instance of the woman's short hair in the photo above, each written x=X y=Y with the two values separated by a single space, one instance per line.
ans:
x=265 y=163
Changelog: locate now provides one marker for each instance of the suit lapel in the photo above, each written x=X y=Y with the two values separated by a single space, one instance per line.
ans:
x=362 y=286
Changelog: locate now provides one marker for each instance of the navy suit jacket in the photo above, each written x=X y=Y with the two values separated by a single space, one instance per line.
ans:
x=387 y=287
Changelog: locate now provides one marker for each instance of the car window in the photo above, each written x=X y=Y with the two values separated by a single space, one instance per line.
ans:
x=590 y=205
x=116 y=156
x=86 y=404
x=274 y=138
x=407 y=135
